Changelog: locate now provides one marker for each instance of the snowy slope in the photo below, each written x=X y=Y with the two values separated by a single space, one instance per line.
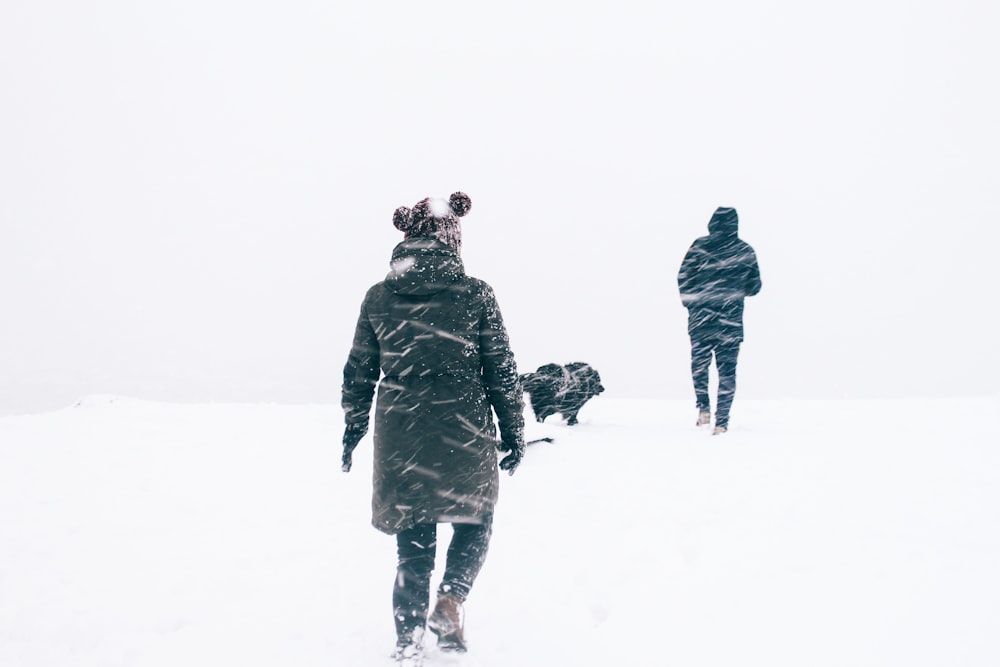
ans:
x=814 y=533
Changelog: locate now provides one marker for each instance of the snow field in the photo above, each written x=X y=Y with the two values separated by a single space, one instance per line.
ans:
x=815 y=532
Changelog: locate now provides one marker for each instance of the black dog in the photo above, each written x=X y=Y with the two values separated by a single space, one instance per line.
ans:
x=563 y=389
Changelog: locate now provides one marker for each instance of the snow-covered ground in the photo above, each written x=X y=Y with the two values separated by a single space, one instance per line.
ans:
x=840 y=533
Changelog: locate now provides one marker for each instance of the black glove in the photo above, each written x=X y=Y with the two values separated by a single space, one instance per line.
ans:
x=513 y=443
x=352 y=436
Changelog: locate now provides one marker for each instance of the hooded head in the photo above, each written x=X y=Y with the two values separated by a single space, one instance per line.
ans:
x=724 y=221
x=435 y=218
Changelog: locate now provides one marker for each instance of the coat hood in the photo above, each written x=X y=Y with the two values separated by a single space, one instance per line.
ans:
x=422 y=266
x=724 y=221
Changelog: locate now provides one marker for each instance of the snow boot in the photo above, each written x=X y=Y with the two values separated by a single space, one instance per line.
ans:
x=704 y=418
x=410 y=649
x=719 y=430
x=446 y=622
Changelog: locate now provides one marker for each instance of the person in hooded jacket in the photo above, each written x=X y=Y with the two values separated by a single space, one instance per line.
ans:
x=718 y=272
x=436 y=338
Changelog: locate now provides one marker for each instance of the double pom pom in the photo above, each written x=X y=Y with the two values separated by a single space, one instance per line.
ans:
x=408 y=220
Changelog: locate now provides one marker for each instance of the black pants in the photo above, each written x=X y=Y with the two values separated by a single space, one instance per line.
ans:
x=417 y=548
x=726 y=354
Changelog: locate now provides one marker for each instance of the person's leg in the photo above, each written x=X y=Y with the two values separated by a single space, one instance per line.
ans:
x=416 y=548
x=725 y=358
x=701 y=360
x=466 y=555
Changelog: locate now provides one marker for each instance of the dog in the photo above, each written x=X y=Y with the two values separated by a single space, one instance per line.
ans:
x=561 y=389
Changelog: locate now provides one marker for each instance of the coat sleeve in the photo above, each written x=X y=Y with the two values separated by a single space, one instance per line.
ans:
x=753 y=275
x=361 y=372
x=687 y=277
x=503 y=387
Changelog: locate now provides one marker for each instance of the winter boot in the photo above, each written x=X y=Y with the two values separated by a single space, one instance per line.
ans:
x=719 y=430
x=704 y=418
x=446 y=622
x=410 y=649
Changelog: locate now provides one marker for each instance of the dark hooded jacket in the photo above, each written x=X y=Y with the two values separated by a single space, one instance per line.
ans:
x=437 y=339
x=717 y=273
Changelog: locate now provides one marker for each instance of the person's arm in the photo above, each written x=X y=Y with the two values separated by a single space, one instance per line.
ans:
x=361 y=374
x=753 y=276
x=503 y=386
x=687 y=277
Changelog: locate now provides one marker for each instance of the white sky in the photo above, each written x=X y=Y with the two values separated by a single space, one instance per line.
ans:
x=196 y=194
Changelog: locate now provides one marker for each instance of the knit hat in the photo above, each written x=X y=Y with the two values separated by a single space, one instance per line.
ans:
x=436 y=218
x=724 y=221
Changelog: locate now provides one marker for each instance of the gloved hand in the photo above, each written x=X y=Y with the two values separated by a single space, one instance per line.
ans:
x=352 y=436
x=513 y=443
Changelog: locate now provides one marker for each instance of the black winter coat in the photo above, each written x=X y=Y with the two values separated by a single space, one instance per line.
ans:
x=718 y=272
x=438 y=341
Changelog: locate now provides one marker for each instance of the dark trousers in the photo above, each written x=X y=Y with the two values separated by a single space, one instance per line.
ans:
x=417 y=549
x=725 y=360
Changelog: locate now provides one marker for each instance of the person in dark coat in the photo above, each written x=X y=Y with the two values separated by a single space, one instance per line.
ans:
x=433 y=342
x=718 y=272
